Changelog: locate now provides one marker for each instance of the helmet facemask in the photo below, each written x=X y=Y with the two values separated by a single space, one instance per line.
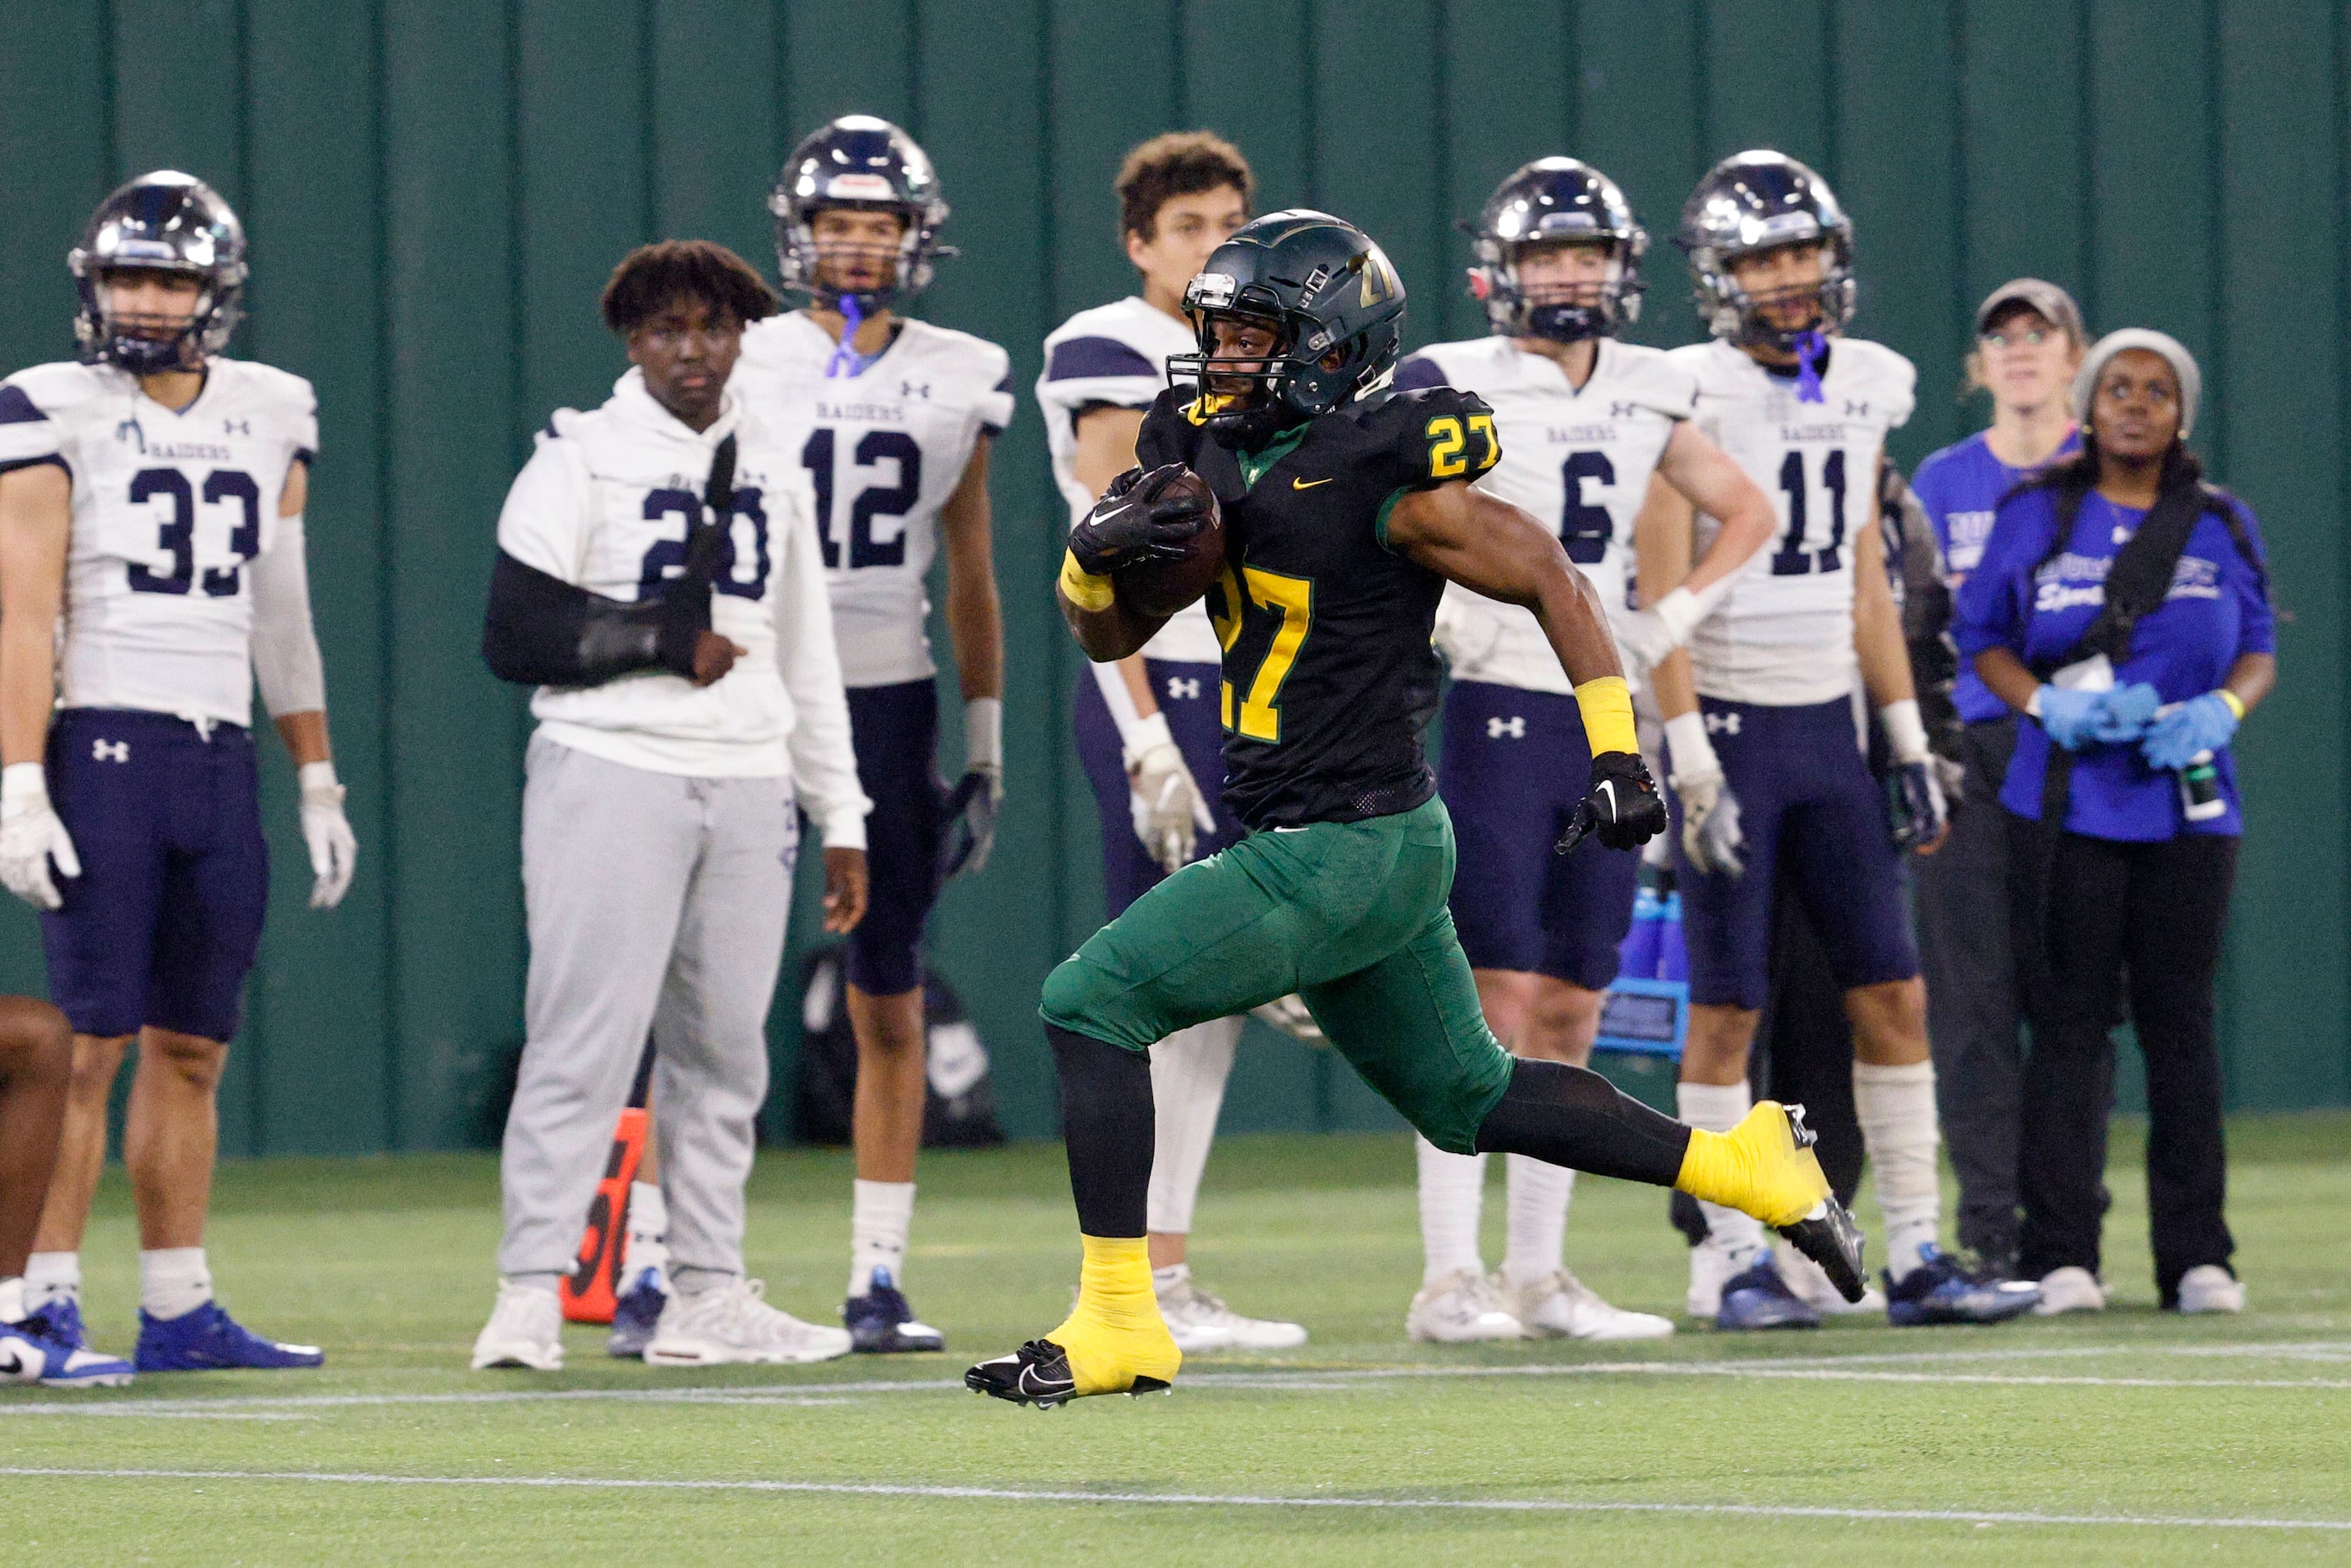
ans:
x=804 y=262
x=1247 y=401
x=857 y=164
x=1559 y=312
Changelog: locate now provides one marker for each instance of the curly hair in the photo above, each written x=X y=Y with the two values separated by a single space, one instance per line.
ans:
x=1179 y=164
x=652 y=276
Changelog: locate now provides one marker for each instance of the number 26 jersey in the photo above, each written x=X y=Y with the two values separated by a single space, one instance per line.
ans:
x=168 y=507
x=1784 y=637
x=884 y=448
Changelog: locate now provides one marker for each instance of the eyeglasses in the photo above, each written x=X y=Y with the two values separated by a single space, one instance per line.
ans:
x=2023 y=337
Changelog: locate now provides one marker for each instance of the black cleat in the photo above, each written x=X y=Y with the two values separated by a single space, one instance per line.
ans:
x=1827 y=1235
x=1039 y=1373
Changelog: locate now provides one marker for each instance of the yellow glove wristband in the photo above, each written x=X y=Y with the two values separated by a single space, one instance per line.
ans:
x=2236 y=703
x=1606 y=706
x=1084 y=590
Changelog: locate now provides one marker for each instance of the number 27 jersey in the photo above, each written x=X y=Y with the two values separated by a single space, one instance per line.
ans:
x=884 y=448
x=1784 y=637
x=168 y=507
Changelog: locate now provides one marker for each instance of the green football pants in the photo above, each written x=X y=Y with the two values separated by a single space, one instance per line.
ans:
x=1351 y=916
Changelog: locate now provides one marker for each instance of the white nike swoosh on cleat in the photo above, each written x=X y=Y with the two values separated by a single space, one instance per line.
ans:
x=1037 y=1388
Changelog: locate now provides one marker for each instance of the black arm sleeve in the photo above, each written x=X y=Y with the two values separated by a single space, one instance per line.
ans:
x=543 y=632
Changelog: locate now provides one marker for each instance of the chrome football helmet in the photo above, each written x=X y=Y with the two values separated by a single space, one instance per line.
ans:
x=163 y=222
x=859 y=162
x=1555 y=201
x=1760 y=201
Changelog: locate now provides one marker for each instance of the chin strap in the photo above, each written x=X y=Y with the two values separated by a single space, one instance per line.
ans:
x=847 y=362
x=1811 y=348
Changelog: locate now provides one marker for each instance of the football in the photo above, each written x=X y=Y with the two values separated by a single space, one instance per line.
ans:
x=1165 y=586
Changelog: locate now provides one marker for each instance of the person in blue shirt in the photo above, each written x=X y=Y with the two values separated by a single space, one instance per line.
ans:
x=2131 y=671
x=2029 y=343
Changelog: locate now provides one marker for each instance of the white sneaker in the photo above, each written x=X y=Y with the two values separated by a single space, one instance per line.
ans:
x=525 y=1329
x=2070 y=1289
x=1811 y=1281
x=1561 y=1306
x=731 y=1322
x=1200 y=1321
x=2208 y=1287
x=1463 y=1308
x=1710 y=1265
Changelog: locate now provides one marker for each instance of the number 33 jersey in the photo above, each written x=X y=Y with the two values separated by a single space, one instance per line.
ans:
x=1784 y=636
x=1578 y=459
x=168 y=509
x=884 y=448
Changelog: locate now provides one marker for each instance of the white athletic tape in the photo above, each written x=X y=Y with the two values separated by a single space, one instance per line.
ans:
x=1190 y=1500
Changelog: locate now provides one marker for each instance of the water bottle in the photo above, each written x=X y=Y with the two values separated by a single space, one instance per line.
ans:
x=2200 y=800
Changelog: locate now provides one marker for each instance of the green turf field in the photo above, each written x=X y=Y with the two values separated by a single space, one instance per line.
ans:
x=2135 y=1438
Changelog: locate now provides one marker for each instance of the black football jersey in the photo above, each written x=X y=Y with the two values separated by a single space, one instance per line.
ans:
x=1328 y=674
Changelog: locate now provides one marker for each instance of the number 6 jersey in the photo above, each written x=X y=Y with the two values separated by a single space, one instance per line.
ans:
x=168 y=510
x=1784 y=637
x=884 y=448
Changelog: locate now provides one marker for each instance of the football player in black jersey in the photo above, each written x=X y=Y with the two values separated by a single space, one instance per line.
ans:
x=1343 y=515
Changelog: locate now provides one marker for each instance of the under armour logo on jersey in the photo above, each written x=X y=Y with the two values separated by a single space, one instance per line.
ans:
x=1183 y=688
x=908 y=389
x=237 y=427
x=110 y=750
x=1723 y=724
x=1515 y=726
x=1622 y=409
x=1856 y=410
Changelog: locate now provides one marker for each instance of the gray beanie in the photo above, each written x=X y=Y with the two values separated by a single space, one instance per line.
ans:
x=2183 y=365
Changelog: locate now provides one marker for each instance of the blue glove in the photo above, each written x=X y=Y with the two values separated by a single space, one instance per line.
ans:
x=2070 y=717
x=2200 y=724
x=2124 y=714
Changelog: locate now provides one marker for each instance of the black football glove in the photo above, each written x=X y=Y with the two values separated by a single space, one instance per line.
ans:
x=1915 y=795
x=1134 y=522
x=1624 y=804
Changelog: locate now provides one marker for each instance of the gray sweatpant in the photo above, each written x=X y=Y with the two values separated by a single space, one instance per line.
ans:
x=653 y=902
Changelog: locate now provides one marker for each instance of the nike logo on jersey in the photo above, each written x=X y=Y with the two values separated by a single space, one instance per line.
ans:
x=1289 y=830
x=1309 y=484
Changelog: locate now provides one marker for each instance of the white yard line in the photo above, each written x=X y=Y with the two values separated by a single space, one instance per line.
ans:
x=1192 y=1500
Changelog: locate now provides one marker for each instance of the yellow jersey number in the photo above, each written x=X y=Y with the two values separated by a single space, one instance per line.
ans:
x=1448 y=445
x=1291 y=598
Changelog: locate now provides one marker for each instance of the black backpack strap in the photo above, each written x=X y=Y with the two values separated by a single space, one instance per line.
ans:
x=2139 y=579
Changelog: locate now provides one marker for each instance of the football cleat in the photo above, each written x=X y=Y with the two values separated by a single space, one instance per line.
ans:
x=1941 y=1291
x=1199 y=1322
x=1760 y=1298
x=32 y=1351
x=1463 y=1308
x=1561 y=1306
x=63 y=1314
x=733 y=1323
x=525 y=1330
x=1039 y=1373
x=209 y=1340
x=882 y=1324
x=2210 y=1288
x=635 y=1315
x=2070 y=1289
x=1808 y=1279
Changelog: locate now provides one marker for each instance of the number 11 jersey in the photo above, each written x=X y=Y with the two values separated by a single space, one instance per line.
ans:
x=1784 y=637
x=168 y=507
x=884 y=447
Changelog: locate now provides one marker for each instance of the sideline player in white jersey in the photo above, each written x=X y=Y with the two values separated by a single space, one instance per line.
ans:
x=150 y=501
x=1768 y=771
x=658 y=580
x=1584 y=420
x=1148 y=727
x=894 y=419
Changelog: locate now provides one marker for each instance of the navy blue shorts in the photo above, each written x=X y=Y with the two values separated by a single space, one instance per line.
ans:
x=1187 y=695
x=161 y=926
x=896 y=730
x=1805 y=797
x=1515 y=764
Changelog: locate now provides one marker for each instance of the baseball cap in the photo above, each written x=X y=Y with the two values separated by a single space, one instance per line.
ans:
x=2046 y=297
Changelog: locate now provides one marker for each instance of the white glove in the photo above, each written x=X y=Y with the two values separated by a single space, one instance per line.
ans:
x=31 y=836
x=1649 y=635
x=1711 y=835
x=1289 y=1015
x=1166 y=802
x=334 y=848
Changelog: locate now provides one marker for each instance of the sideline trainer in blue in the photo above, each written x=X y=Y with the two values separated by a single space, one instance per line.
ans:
x=209 y=1340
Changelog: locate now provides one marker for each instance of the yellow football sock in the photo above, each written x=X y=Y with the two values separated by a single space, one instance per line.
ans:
x=1115 y=1334
x=1756 y=1167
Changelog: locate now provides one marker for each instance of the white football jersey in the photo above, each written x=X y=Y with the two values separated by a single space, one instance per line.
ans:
x=1116 y=355
x=1784 y=636
x=884 y=451
x=168 y=507
x=1579 y=460
x=605 y=503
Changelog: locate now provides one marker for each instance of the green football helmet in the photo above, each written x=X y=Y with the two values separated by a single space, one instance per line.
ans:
x=1336 y=308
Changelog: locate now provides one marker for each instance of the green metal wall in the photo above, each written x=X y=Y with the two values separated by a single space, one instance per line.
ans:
x=437 y=188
